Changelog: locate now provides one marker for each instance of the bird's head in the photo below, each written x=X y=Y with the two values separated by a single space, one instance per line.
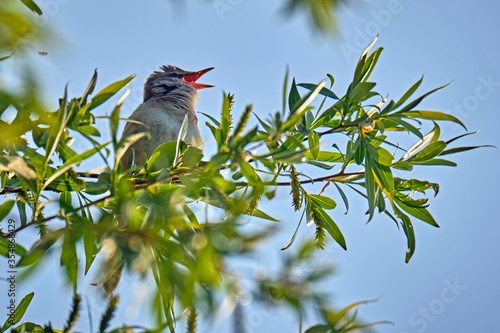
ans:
x=174 y=81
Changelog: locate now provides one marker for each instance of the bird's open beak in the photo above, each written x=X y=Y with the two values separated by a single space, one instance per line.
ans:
x=191 y=78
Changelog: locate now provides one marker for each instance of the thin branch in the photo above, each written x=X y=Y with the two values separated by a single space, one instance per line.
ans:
x=321 y=179
x=3 y=235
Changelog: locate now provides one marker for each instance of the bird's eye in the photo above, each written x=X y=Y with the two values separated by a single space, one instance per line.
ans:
x=175 y=75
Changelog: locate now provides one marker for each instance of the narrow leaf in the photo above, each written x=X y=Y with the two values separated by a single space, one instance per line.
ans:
x=408 y=93
x=19 y=312
x=331 y=227
x=461 y=149
x=293 y=98
x=106 y=93
x=322 y=201
x=5 y=208
x=433 y=115
x=313 y=141
x=429 y=152
x=32 y=6
x=324 y=91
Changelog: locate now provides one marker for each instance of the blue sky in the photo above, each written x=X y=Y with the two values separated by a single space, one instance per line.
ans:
x=451 y=283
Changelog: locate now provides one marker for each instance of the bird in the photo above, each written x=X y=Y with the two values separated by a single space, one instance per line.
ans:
x=169 y=94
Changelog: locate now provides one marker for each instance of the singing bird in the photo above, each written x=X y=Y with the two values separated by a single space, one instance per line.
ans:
x=168 y=94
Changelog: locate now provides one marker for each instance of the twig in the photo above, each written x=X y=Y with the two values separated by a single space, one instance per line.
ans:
x=3 y=235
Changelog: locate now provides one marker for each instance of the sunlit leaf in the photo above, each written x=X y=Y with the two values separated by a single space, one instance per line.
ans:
x=408 y=93
x=322 y=201
x=429 y=152
x=418 y=212
x=409 y=232
x=417 y=101
x=461 y=149
x=5 y=208
x=19 y=312
x=106 y=93
x=331 y=227
x=324 y=91
x=313 y=140
x=293 y=98
x=433 y=115
x=33 y=6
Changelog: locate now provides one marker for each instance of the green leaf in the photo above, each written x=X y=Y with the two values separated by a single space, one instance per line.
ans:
x=40 y=248
x=407 y=125
x=320 y=165
x=21 y=207
x=19 y=312
x=432 y=115
x=226 y=118
x=461 y=149
x=297 y=115
x=344 y=197
x=313 y=141
x=408 y=93
x=293 y=98
x=435 y=161
x=87 y=130
x=324 y=91
x=414 y=103
x=69 y=258
x=384 y=174
x=72 y=161
x=29 y=327
x=181 y=136
x=388 y=108
x=260 y=214
x=65 y=202
x=33 y=6
x=322 y=201
x=6 y=248
x=191 y=157
x=215 y=121
x=218 y=160
x=415 y=185
x=249 y=172
x=460 y=136
x=326 y=156
x=331 y=227
x=163 y=157
x=5 y=208
x=106 y=93
x=91 y=249
x=6 y=57
x=419 y=212
x=285 y=88
x=370 y=63
x=243 y=120
x=361 y=69
x=370 y=188
x=90 y=88
x=360 y=92
x=379 y=154
x=409 y=232
x=429 y=152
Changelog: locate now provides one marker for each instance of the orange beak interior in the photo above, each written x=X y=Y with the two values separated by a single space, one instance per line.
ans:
x=191 y=78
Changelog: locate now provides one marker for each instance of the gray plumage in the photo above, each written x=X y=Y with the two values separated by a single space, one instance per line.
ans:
x=168 y=94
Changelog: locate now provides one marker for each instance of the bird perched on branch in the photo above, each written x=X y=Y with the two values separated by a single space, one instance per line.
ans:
x=168 y=94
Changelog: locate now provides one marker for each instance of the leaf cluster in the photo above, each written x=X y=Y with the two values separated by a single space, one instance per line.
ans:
x=179 y=216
